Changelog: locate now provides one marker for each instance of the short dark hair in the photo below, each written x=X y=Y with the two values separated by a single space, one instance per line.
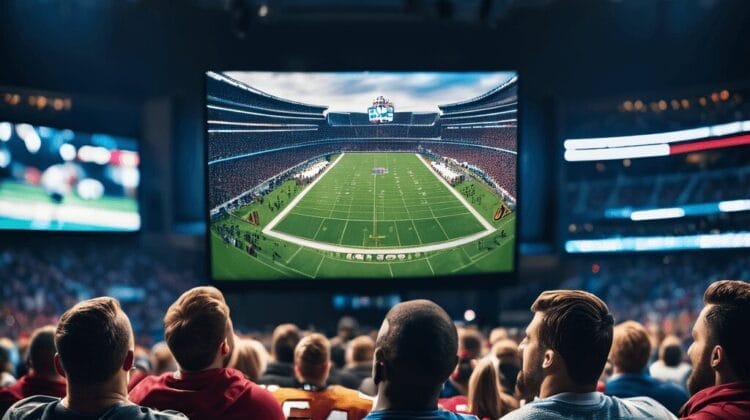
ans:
x=41 y=353
x=195 y=325
x=729 y=316
x=670 y=351
x=285 y=339
x=92 y=340
x=578 y=326
x=631 y=347
x=420 y=345
x=470 y=341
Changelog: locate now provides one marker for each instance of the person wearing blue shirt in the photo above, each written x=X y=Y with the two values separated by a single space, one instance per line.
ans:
x=415 y=352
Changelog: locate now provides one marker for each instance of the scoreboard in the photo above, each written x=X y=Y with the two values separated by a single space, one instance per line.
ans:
x=381 y=110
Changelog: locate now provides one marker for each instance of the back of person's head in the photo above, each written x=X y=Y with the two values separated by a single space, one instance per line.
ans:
x=93 y=341
x=5 y=363
x=360 y=350
x=497 y=334
x=312 y=359
x=631 y=347
x=670 y=351
x=484 y=392
x=727 y=317
x=41 y=352
x=162 y=359
x=196 y=326
x=285 y=339
x=347 y=327
x=246 y=359
x=508 y=363
x=470 y=343
x=578 y=326
x=415 y=352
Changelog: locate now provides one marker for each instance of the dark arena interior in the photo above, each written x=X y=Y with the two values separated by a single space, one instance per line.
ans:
x=431 y=209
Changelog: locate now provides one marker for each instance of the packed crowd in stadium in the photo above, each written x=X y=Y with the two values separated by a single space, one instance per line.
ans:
x=593 y=364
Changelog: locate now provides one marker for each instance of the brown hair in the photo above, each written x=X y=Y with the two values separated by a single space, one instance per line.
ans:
x=361 y=349
x=311 y=355
x=631 y=347
x=41 y=353
x=578 y=326
x=285 y=339
x=470 y=343
x=247 y=360
x=726 y=320
x=93 y=339
x=195 y=325
x=484 y=392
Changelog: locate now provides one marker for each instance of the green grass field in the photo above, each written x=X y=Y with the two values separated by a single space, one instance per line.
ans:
x=352 y=209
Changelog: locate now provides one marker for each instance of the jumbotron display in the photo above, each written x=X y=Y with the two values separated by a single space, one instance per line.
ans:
x=55 y=179
x=350 y=175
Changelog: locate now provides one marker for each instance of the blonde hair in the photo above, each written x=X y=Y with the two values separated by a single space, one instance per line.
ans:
x=485 y=397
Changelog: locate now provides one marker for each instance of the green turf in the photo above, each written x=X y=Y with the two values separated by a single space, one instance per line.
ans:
x=20 y=192
x=341 y=209
x=352 y=206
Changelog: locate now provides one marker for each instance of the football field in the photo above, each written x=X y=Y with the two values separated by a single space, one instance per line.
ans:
x=374 y=202
x=369 y=215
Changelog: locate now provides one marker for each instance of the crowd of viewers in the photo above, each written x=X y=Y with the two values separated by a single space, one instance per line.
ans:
x=574 y=361
x=504 y=138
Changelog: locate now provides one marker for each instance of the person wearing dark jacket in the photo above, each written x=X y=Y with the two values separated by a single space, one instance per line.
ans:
x=281 y=371
x=720 y=381
x=630 y=352
x=94 y=342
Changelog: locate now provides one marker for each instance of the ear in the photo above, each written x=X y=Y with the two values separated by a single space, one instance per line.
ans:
x=379 y=370
x=129 y=361
x=549 y=360
x=717 y=357
x=58 y=365
x=224 y=348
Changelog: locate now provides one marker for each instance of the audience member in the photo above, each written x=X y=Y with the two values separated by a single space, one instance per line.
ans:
x=631 y=348
x=505 y=351
x=359 y=354
x=199 y=333
x=671 y=367
x=564 y=352
x=246 y=359
x=94 y=342
x=162 y=360
x=42 y=378
x=6 y=367
x=314 y=399
x=280 y=372
x=486 y=399
x=720 y=381
x=415 y=352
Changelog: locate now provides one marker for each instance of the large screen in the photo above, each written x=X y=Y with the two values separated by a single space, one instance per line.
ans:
x=66 y=180
x=672 y=175
x=348 y=175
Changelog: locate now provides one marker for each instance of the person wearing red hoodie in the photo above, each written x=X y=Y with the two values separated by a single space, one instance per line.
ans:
x=42 y=378
x=720 y=381
x=199 y=333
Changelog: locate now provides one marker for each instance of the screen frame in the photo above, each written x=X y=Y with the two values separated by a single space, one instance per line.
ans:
x=19 y=234
x=484 y=281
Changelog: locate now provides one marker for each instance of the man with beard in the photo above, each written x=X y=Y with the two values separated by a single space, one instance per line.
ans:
x=564 y=353
x=720 y=381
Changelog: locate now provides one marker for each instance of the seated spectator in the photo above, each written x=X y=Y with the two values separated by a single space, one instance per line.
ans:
x=6 y=368
x=498 y=334
x=485 y=400
x=281 y=371
x=631 y=348
x=162 y=360
x=95 y=352
x=508 y=363
x=314 y=399
x=359 y=355
x=198 y=331
x=470 y=344
x=566 y=346
x=670 y=367
x=246 y=359
x=347 y=330
x=42 y=378
x=415 y=352
x=720 y=381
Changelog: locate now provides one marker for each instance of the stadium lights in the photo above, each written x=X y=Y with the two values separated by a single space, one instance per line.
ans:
x=6 y=130
x=659 y=243
x=734 y=205
x=658 y=214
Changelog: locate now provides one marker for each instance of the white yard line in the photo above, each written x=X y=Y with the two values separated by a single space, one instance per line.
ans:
x=298 y=198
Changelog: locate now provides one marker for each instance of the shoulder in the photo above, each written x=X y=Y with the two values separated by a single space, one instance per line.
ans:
x=346 y=397
x=146 y=385
x=30 y=408
x=259 y=400
x=534 y=409
x=643 y=407
x=132 y=411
